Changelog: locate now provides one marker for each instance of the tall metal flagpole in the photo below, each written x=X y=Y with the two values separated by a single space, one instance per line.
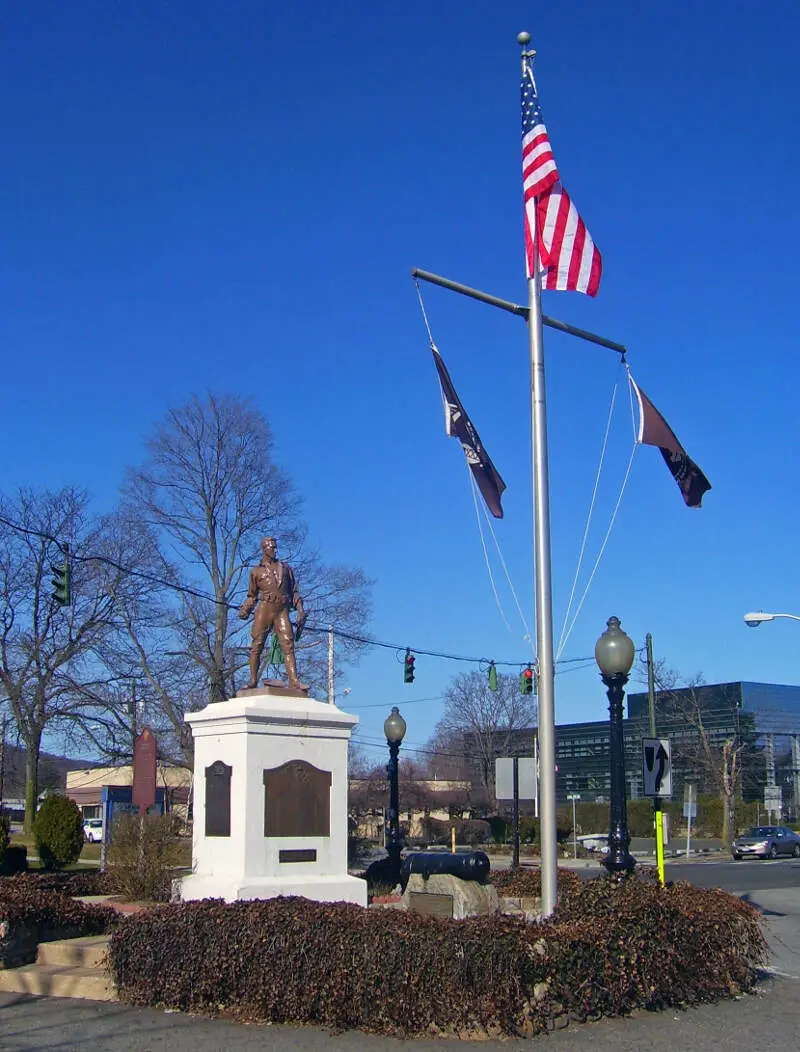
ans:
x=542 y=577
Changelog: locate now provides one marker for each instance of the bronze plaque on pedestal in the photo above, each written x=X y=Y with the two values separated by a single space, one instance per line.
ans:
x=218 y=799
x=430 y=905
x=297 y=800
x=301 y=854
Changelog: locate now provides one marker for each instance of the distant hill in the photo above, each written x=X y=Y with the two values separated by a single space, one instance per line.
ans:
x=52 y=771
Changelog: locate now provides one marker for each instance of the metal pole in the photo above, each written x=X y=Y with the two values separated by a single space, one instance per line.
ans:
x=658 y=816
x=2 y=762
x=542 y=584
x=536 y=776
x=331 y=697
x=651 y=684
x=689 y=827
x=395 y=846
x=515 y=796
x=618 y=859
x=516 y=308
x=133 y=717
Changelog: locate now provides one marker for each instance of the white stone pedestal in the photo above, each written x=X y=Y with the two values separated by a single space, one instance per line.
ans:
x=287 y=831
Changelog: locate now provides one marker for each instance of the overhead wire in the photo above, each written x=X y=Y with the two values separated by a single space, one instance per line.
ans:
x=309 y=627
x=589 y=515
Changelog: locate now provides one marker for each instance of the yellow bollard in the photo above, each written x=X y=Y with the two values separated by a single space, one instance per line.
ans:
x=659 y=815
x=452 y=840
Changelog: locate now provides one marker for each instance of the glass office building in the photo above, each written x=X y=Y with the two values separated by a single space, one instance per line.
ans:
x=762 y=720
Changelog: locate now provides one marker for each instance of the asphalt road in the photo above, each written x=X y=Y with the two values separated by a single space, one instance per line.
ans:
x=738 y=877
x=767 y=1021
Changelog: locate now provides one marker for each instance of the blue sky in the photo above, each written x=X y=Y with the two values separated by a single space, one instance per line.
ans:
x=204 y=196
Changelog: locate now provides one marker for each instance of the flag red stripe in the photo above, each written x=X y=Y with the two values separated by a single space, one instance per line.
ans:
x=568 y=257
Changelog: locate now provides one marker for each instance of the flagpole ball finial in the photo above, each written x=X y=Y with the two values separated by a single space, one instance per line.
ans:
x=523 y=39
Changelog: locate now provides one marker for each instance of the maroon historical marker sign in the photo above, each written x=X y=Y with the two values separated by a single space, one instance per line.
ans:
x=144 y=771
x=297 y=800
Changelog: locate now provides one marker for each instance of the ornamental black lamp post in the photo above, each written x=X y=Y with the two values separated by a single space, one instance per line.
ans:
x=614 y=653
x=394 y=728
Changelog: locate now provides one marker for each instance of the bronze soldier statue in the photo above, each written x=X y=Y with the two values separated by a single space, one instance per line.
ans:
x=273 y=588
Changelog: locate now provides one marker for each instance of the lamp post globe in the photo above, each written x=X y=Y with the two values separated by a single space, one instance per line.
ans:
x=614 y=650
x=615 y=653
x=394 y=726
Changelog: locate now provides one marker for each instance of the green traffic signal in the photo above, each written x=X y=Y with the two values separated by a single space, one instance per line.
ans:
x=61 y=581
x=408 y=668
x=492 y=676
x=526 y=681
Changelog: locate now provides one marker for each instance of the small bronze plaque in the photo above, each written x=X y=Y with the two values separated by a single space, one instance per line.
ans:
x=297 y=800
x=430 y=905
x=304 y=854
x=218 y=799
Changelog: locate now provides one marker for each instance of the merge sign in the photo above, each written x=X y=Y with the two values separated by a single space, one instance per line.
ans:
x=657 y=767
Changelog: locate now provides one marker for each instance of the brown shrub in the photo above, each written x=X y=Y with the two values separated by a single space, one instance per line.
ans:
x=610 y=947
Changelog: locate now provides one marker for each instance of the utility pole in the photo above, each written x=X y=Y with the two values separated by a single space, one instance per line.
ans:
x=657 y=812
x=2 y=761
x=515 y=813
x=331 y=694
x=133 y=717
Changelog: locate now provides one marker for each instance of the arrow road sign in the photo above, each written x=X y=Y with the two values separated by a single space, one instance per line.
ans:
x=656 y=767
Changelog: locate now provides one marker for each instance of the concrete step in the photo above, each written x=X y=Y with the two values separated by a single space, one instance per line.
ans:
x=88 y=952
x=55 y=980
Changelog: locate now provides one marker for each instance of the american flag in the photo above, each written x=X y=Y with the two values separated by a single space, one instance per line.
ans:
x=568 y=258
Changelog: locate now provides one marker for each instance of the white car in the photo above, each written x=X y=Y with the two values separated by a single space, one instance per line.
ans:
x=93 y=830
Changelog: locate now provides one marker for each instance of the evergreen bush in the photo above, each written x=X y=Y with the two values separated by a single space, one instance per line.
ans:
x=58 y=832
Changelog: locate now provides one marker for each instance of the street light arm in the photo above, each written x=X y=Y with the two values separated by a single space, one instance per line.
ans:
x=754 y=619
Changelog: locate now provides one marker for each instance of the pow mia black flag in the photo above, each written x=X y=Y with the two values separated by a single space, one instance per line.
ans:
x=655 y=431
x=458 y=425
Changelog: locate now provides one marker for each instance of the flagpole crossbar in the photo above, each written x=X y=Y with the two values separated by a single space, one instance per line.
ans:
x=518 y=309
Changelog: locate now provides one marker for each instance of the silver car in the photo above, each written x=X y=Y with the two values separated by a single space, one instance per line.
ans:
x=766 y=842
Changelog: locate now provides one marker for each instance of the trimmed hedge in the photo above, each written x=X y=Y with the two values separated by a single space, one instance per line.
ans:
x=29 y=916
x=610 y=947
x=15 y=860
x=24 y=904
x=76 y=882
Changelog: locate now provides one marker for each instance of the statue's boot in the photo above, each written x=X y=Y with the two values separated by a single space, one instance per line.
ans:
x=291 y=671
x=255 y=660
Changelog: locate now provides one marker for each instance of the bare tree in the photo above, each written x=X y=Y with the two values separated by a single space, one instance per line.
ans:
x=482 y=724
x=713 y=738
x=47 y=652
x=207 y=492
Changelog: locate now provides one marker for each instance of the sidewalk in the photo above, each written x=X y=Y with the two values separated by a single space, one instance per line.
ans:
x=767 y=1021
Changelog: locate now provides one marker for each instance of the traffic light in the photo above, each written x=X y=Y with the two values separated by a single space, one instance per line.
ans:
x=408 y=669
x=61 y=580
x=526 y=681
x=492 y=676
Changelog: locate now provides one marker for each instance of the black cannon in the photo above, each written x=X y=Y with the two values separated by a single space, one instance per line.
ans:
x=466 y=865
